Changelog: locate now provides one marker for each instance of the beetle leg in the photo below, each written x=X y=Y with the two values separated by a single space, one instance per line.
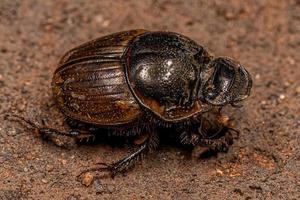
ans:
x=219 y=144
x=118 y=166
x=210 y=136
x=189 y=138
x=216 y=135
x=202 y=129
x=53 y=134
x=124 y=164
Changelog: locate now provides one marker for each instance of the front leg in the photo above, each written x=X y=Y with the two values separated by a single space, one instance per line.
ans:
x=211 y=135
x=220 y=144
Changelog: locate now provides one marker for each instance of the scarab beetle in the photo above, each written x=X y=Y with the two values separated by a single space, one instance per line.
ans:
x=132 y=82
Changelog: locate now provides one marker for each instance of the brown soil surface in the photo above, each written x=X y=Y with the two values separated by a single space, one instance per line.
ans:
x=263 y=164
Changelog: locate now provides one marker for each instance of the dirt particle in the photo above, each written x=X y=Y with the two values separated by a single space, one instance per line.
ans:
x=234 y=174
x=287 y=84
x=298 y=90
x=44 y=180
x=2 y=84
x=29 y=157
x=282 y=96
x=220 y=172
x=103 y=188
x=99 y=188
x=3 y=50
x=238 y=191
x=99 y=19
x=25 y=169
x=110 y=189
x=291 y=61
x=63 y=161
x=11 y=194
x=73 y=197
x=255 y=187
x=106 y=23
x=49 y=168
x=87 y=179
x=263 y=161
x=1 y=160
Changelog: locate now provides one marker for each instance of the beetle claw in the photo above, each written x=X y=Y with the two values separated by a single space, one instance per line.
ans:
x=119 y=166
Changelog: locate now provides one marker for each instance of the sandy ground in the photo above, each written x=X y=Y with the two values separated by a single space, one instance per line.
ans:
x=264 y=163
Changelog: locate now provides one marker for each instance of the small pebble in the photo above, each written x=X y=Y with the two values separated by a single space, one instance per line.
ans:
x=229 y=15
x=282 y=96
x=87 y=179
x=110 y=188
x=73 y=197
x=49 y=168
x=106 y=23
x=25 y=169
x=99 y=19
x=44 y=180
x=291 y=61
x=28 y=157
x=298 y=90
x=99 y=188
x=64 y=162
x=220 y=172
x=287 y=84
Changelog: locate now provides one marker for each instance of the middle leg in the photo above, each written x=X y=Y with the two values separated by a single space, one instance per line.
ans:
x=147 y=142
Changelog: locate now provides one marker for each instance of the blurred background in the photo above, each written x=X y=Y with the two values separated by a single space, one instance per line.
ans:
x=263 y=35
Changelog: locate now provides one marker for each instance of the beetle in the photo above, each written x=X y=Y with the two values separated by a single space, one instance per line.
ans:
x=133 y=82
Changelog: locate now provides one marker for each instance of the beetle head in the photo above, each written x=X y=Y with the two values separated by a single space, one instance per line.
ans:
x=226 y=82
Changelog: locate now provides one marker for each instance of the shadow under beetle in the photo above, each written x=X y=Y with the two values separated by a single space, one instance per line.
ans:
x=132 y=82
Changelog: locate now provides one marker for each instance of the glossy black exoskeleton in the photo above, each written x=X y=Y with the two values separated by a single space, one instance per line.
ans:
x=130 y=83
